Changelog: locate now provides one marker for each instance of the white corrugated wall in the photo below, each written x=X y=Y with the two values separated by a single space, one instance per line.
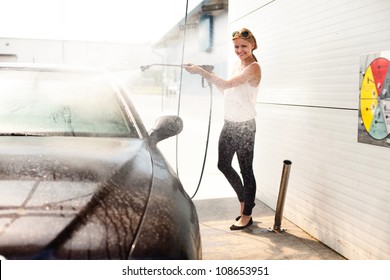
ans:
x=309 y=50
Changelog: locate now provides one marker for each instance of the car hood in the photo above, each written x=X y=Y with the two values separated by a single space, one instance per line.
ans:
x=67 y=197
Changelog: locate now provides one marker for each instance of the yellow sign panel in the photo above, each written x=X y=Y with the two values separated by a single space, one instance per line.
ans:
x=368 y=89
x=367 y=109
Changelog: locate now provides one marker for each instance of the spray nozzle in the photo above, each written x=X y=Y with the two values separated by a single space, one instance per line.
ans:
x=144 y=67
x=208 y=68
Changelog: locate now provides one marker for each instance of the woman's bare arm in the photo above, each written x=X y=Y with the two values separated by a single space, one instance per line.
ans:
x=251 y=74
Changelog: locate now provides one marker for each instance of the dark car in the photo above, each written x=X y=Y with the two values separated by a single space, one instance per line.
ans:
x=80 y=177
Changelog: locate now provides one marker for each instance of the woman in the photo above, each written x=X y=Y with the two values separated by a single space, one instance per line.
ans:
x=238 y=133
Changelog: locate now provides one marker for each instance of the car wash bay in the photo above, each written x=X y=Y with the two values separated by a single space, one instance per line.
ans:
x=215 y=200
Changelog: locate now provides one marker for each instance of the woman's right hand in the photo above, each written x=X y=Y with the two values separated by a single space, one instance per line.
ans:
x=192 y=68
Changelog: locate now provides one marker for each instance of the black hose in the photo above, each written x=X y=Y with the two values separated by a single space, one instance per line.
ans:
x=206 y=67
x=207 y=141
x=180 y=84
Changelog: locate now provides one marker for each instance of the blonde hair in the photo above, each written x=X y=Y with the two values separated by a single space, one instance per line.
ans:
x=246 y=34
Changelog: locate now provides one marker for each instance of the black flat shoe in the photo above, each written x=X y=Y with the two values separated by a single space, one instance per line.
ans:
x=234 y=227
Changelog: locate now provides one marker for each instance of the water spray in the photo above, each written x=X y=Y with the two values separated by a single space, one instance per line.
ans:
x=208 y=68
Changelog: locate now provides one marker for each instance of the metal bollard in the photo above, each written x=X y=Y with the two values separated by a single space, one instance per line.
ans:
x=282 y=196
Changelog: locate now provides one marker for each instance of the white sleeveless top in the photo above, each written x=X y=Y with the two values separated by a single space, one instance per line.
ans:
x=240 y=102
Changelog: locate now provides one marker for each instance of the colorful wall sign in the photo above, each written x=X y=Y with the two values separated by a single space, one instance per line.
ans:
x=374 y=109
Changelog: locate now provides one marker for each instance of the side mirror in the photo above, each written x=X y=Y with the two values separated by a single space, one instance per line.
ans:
x=165 y=127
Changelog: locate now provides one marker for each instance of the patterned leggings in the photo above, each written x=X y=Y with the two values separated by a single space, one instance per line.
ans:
x=239 y=138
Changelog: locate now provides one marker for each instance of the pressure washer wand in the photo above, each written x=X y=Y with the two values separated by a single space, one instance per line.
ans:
x=208 y=68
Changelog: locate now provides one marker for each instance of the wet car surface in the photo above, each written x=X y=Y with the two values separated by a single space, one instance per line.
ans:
x=80 y=177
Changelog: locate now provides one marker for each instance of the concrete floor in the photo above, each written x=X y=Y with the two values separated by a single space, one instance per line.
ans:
x=255 y=242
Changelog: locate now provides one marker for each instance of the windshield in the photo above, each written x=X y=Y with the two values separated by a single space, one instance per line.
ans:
x=40 y=102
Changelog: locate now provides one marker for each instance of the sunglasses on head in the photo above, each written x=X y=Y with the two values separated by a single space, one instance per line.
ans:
x=243 y=34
